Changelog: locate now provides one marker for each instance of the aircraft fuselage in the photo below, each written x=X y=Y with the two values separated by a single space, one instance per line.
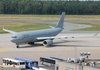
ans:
x=31 y=36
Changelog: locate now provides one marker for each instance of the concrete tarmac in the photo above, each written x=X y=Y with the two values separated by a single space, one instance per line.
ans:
x=63 y=48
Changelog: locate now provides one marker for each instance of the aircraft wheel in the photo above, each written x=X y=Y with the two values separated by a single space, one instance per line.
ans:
x=17 y=46
x=32 y=43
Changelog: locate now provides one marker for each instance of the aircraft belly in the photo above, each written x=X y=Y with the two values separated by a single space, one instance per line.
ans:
x=23 y=40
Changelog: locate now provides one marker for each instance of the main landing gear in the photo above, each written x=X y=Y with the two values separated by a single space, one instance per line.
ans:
x=31 y=43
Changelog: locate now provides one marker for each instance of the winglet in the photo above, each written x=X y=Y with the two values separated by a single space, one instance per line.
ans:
x=10 y=31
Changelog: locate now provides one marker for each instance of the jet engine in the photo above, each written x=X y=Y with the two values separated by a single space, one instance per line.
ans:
x=47 y=42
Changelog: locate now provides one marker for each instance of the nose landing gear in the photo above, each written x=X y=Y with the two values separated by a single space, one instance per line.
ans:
x=17 y=46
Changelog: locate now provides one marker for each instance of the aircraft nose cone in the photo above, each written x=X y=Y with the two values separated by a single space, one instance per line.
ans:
x=12 y=40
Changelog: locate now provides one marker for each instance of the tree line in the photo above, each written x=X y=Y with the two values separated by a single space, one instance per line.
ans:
x=49 y=7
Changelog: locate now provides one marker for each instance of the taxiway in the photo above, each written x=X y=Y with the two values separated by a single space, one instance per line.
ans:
x=63 y=48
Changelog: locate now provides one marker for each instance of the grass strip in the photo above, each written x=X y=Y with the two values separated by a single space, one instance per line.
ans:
x=20 y=26
x=95 y=27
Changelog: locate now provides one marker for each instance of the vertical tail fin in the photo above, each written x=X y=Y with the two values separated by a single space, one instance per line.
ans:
x=61 y=21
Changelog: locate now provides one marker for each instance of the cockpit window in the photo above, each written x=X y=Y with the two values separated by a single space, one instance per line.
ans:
x=14 y=36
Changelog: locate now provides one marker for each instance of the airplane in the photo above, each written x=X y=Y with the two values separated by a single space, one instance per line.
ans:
x=45 y=35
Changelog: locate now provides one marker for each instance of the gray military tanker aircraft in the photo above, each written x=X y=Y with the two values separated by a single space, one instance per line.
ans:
x=45 y=35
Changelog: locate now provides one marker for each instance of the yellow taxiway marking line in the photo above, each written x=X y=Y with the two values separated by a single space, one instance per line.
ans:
x=1 y=66
x=5 y=66
x=2 y=49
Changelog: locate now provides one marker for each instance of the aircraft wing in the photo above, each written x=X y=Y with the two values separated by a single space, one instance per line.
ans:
x=10 y=31
x=69 y=36
x=52 y=37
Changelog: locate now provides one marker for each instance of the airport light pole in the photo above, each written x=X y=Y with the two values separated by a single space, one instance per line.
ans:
x=84 y=56
x=56 y=67
x=80 y=65
x=75 y=55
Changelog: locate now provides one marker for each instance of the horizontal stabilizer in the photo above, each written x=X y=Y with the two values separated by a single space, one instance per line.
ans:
x=51 y=27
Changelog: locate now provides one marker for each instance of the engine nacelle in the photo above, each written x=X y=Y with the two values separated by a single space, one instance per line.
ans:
x=47 y=42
